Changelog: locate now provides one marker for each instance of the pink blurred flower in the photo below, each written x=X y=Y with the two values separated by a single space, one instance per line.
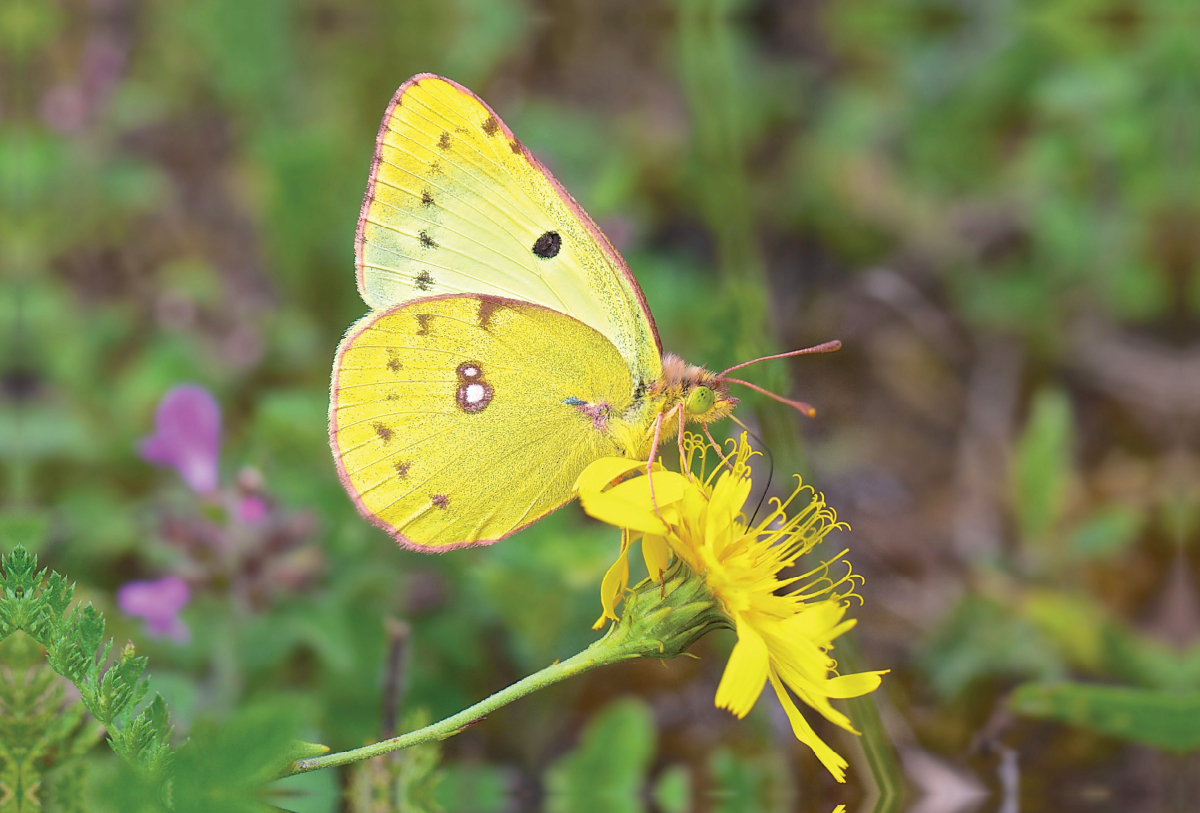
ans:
x=187 y=436
x=159 y=602
x=252 y=509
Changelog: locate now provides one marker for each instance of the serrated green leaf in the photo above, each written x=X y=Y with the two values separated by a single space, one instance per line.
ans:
x=38 y=603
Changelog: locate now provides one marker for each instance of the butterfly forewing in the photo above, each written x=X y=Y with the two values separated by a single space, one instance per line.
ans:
x=458 y=420
x=457 y=205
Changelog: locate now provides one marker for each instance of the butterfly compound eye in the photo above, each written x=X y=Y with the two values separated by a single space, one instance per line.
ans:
x=700 y=400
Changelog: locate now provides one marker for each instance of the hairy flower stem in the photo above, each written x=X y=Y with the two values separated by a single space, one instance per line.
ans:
x=601 y=652
x=662 y=618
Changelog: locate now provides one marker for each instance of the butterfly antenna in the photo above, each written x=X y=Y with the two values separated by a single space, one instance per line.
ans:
x=824 y=347
x=806 y=409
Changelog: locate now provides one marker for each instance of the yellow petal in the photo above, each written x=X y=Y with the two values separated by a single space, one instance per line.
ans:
x=613 y=585
x=832 y=760
x=600 y=474
x=635 y=516
x=661 y=489
x=727 y=500
x=745 y=673
x=657 y=554
x=855 y=685
x=695 y=505
x=818 y=702
x=818 y=619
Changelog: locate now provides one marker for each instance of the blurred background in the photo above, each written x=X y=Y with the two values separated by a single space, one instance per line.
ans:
x=994 y=205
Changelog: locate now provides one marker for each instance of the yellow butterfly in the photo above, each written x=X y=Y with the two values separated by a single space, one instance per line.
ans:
x=508 y=345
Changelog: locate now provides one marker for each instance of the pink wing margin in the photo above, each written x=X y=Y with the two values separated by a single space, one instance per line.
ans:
x=614 y=257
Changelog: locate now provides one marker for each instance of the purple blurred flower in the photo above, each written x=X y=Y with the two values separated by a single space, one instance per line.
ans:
x=187 y=436
x=159 y=602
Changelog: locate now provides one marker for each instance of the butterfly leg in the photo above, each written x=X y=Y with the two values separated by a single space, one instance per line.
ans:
x=658 y=422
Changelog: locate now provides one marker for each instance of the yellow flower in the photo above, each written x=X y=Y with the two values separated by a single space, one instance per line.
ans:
x=783 y=637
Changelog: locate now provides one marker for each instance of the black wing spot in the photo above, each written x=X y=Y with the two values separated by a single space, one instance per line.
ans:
x=515 y=146
x=548 y=245
x=429 y=242
x=426 y=198
x=444 y=140
x=491 y=126
x=423 y=281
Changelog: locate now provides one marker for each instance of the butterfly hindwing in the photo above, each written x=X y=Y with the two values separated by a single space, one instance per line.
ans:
x=457 y=205
x=458 y=420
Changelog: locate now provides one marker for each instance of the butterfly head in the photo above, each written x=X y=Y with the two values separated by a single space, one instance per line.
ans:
x=702 y=394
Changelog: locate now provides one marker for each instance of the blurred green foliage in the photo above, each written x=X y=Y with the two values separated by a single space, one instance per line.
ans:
x=1164 y=720
x=607 y=771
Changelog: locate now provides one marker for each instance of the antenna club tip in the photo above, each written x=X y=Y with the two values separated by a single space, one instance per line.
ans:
x=810 y=412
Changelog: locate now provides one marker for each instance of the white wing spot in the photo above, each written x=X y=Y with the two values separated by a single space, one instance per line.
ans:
x=469 y=371
x=473 y=395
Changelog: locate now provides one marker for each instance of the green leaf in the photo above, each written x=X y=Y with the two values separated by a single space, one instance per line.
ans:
x=149 y=734
x=981 y=638
x=608 y=770
x=1074 y=623
x=478 y=787
x=1108 y=532
x=1133 y=657
x=673 y=790
x=37 y=602
x=228 y=766
x=1042 y=468
x=759 y=783
x=42 y=733
x=1159 y=719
